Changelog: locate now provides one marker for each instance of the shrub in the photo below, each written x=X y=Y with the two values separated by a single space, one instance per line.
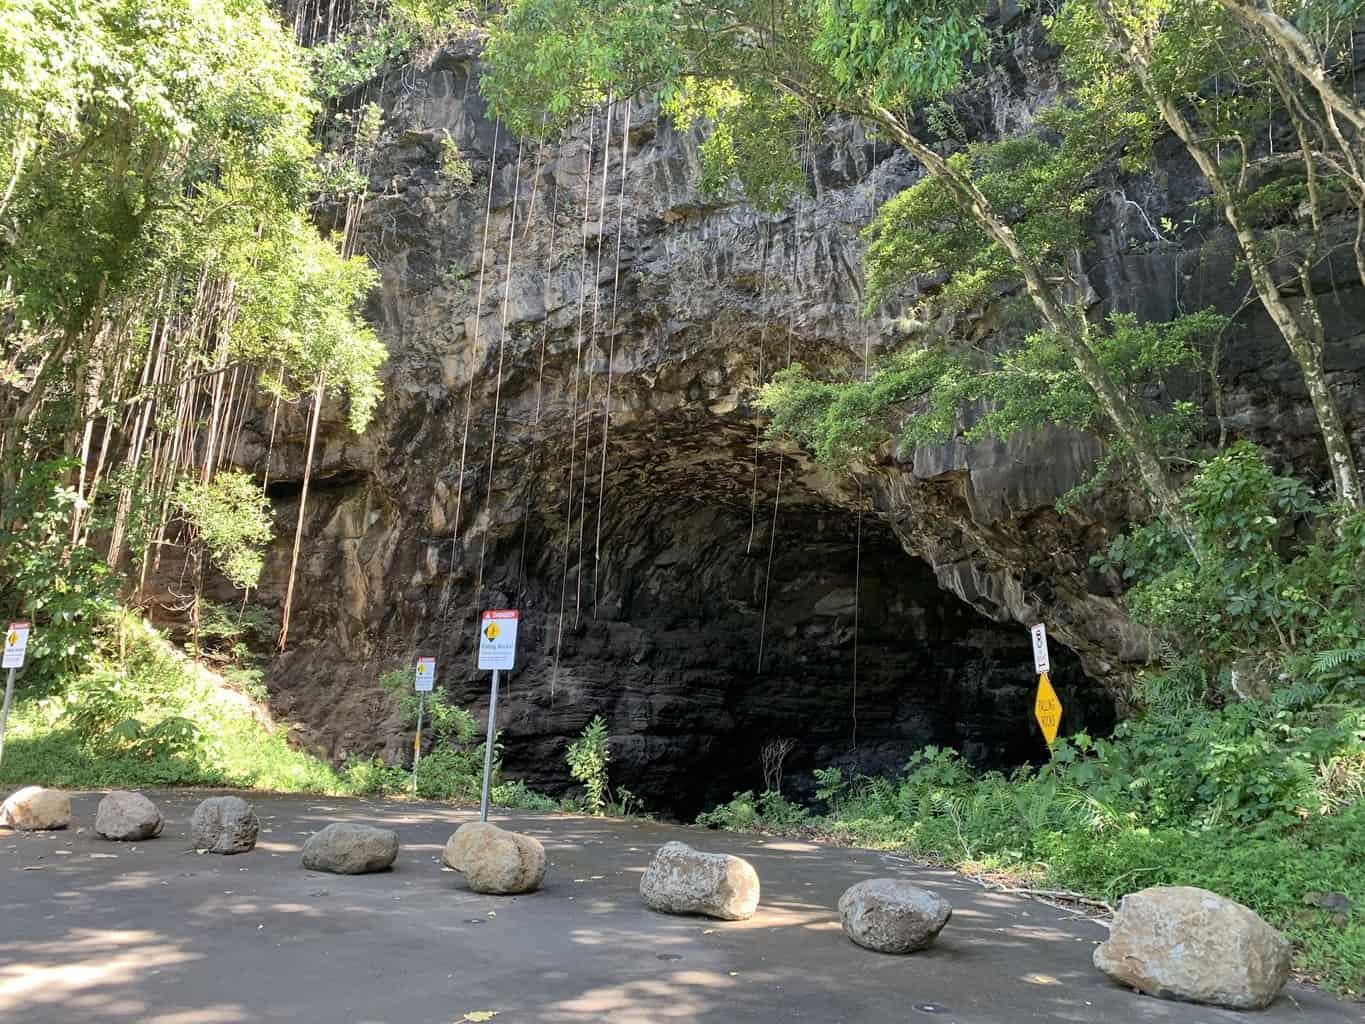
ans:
x=745 y=813
x=67 y=591
x=517 y=794
x=587 y=758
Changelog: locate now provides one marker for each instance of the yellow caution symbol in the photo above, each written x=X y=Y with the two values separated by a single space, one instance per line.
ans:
x=491 y=631
x=1047 y=709
x=12 y=639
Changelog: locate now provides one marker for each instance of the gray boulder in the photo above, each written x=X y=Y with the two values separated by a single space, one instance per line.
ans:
x=35 y=809
x=892 y=916
x=127 y=817
x=346 y=849
x=494 y=860
x=681 y=880
x=224 y=824
x=1178 y=942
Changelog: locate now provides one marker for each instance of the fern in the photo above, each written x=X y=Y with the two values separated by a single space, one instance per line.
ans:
x=1326 y=663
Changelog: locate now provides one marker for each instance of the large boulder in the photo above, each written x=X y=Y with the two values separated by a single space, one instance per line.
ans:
x=224 y=824
x=1179 y=942
x=345 y=849
x=892 y=916
x=35 y=809
x=127 y=817
x=494 y=860
x=681 y=880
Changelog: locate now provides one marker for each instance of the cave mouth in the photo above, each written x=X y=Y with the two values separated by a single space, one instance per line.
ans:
x=672 y=662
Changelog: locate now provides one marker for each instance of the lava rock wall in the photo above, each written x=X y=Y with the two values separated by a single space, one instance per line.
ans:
x=702 y=589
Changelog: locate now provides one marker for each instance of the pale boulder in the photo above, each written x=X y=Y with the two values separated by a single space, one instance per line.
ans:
x=1179 y=942
x=494 y=860
x=224 y=824
x=346 y=849
x=127 y=817
x=35 y=809
x=892 y=916
x=681 y=880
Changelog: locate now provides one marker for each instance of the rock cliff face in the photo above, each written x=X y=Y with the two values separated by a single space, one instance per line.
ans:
x=703 y=591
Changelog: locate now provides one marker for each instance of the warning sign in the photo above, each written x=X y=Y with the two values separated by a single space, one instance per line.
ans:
x=498 y=639
x=426 y=675
x=16 y=643
x=1041 y=664
x=1047 y=709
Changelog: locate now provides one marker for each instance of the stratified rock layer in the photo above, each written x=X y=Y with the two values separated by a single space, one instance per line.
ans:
x=1179 y=942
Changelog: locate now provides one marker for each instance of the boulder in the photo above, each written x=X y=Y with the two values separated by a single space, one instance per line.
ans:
x=681 y=880
x=35 y=809
x=224 y=824
x=494 y=860
x=892 y=916
x=127 y=817
x=1179 y=942
x=345 y=849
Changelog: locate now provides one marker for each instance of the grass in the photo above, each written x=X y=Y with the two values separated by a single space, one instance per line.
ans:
x=144 y=715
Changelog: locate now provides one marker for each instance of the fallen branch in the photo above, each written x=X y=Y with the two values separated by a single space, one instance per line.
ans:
x=1052 y=894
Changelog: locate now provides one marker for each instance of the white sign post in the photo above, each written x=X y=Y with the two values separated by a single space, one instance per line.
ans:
x=498 y=652
x=423 y=681
x=16 y=644
x=1040 y=661
x=1047 y=708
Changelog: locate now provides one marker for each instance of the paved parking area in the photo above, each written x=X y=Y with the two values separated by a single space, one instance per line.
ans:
x=154 y=933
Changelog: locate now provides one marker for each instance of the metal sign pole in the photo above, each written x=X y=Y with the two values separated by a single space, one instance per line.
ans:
x=417 y=740
x=488 y=747
x=4 y=712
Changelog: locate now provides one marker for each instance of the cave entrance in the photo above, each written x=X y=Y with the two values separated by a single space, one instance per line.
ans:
x=671 y=663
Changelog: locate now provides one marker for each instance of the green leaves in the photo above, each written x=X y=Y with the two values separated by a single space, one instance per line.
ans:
x=231 y=517
x=932 y=390
x=587 y=758
x=900 y=52
x=1267 y=581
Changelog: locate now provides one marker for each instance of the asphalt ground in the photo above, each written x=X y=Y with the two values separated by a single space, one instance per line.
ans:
x=154 y=933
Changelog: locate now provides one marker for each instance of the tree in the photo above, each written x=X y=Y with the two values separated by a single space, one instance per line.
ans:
x=157 y=254
x=1215 y=86
x=228 y=519
x=873 y=59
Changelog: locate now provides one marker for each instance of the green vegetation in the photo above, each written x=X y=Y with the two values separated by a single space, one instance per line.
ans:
x=587 y=758
x=451 y=767
x=143 y=715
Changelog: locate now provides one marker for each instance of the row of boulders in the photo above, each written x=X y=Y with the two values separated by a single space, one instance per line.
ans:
x=889 y=915
x=220 y=824
x=1173 y=942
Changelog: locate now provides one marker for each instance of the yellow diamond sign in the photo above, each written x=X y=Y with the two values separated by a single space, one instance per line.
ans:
x=1047 y=709
x=491 y=630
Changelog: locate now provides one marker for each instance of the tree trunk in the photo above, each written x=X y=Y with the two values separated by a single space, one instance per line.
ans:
x=303 y=505
x=1307 y=351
